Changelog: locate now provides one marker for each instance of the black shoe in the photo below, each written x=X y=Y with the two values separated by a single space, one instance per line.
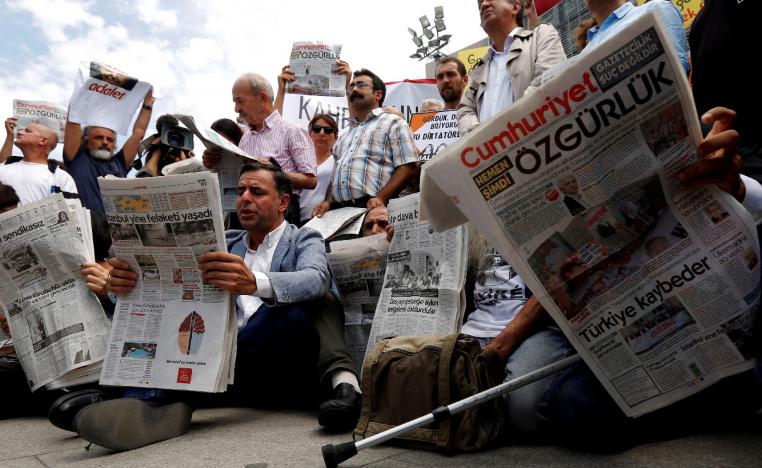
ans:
x=128 y=423
x=341 y=413
x=63 y=411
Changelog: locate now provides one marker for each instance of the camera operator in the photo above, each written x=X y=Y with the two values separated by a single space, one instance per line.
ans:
x=170 y=144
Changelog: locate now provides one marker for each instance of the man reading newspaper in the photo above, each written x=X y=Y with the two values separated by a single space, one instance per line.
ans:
x=279 y=276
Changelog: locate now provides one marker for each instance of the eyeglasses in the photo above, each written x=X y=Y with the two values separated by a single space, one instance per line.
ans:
x=326 y=130
x=359 y=85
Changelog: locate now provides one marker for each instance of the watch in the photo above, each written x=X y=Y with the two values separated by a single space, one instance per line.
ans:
x=147 y=107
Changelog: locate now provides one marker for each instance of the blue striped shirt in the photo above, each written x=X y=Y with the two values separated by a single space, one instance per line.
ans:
x=368 y=153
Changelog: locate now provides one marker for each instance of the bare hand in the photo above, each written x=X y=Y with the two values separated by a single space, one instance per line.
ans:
x=121 y=279
x=4 y=325
x=229 y=272
x=10 y=125
x=211 y=158
x=149 y=99
x=96 y=278
x=342 y=68
x=285 y=76
x=375 y=202
x=320 y=209
x=389 y=233
x=720 y=163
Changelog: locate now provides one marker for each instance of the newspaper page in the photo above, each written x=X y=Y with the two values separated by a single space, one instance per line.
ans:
x=106 y=97
x=655 y=286
x=229 y=168
x=57 y=324
x=433 y=132
x=357 y=267
x=314 y=64
x=334 y=221
x=173 y=331
x=39 y=112
x=425 y=274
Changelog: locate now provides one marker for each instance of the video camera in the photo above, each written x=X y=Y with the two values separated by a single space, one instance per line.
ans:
x=173 y=141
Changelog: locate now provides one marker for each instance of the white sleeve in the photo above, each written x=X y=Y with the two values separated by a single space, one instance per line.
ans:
x=65 y=182
x=753 y=199
x=264 y=286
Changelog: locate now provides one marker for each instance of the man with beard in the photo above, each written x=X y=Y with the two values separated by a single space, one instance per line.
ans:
x=451 y=80
x=376 y=156
x=89 y=154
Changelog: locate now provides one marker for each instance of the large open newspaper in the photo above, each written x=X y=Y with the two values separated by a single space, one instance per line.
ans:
x=314 y=64
x=58 y=326
x=357 y=267
x=422 y=292
x=655 y=286
x=173 y=331
x=39 y=112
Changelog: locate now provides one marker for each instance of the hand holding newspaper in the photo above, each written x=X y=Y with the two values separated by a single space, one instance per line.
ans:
x=655 y=286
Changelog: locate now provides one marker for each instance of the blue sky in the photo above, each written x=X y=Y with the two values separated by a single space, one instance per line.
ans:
x=193 y=50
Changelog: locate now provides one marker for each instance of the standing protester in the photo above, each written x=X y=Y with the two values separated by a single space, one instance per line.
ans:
x=89 y=154
x=323 y=132
x=451 y=81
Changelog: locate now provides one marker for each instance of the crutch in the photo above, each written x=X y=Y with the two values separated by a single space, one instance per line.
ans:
x=338 y=453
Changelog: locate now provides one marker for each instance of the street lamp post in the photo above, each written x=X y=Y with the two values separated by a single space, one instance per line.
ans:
x=434 y=41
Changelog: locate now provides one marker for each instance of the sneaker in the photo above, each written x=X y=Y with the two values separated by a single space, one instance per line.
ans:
x=342 y=412
x=128 y=423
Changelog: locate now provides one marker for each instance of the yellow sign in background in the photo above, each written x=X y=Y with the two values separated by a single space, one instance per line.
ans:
x=469 y=57
x=689 y=9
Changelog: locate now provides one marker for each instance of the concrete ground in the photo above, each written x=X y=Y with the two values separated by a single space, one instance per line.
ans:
x=258 y=439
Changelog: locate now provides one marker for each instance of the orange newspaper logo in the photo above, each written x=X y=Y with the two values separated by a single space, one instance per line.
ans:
x=184 y=375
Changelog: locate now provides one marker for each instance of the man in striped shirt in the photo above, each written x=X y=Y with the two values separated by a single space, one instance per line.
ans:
x=271 y=136
x=376 y=156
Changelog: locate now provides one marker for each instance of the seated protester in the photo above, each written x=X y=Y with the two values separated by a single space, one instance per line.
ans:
x=376 y=221
x=89 y=154
x=279 y=276
x=18 y=399
x=33 y=176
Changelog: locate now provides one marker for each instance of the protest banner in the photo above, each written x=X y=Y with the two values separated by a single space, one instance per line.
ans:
x=433 y=132
x=106 y=97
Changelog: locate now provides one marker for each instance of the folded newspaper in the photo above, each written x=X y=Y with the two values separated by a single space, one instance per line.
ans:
x=338 y=222
x=58 y=326
x=314 y=67
x=422 y=291
x=39 y=112
x=357 y=267
x=656 y=287
x=173 y=331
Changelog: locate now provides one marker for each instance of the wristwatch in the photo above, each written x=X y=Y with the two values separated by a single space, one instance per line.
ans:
x=147 y=107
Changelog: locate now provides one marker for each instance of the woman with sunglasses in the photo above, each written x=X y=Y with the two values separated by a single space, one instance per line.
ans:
x=323 y=131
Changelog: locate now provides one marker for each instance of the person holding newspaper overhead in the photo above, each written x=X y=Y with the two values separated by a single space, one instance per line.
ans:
x=271 y=136
x=279 y=276
x=376 y=156
x=89 y=153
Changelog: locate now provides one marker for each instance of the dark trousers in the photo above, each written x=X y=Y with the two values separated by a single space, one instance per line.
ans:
x=17 y=399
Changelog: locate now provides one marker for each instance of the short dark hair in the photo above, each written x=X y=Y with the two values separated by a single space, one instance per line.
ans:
x=229 y=129
x=282 y=183
x=328 y=118
x=456 y=61
x=378 y=85
x=8 y=196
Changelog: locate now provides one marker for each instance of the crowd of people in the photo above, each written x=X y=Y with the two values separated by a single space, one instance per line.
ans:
x=291 y=349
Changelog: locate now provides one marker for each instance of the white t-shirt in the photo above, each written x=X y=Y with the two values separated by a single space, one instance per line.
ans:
x=34 y=181
x=310 y=198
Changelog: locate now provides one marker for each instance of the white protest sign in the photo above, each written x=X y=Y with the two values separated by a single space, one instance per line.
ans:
x=433 y=132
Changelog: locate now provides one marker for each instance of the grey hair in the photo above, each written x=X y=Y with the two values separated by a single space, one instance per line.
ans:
x=434 y=103
x=258 y=84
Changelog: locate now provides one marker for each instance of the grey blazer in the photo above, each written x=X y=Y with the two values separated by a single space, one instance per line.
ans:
x=299 y=269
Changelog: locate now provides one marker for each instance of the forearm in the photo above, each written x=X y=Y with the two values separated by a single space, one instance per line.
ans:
x=302 y=181
x=400 y=177
x=7 y=149
x=530 y=319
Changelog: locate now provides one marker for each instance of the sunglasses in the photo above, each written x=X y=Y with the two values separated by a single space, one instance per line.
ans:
x=326 y=130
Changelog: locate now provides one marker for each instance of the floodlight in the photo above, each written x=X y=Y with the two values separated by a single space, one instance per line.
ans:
x=439 y=24
x=424 y=21
x=428 y=33
x=438 y=12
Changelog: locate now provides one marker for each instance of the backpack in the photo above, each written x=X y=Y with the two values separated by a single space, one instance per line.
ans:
x=409 y=376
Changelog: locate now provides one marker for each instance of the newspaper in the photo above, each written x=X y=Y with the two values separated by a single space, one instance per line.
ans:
x=58 y=326
x=656 y=287
x=39 y=112
x=433 y=132
x=357 y=267
x=229 y=168
x=314 y=65
x=334 y=222
x=422 y=292
x=173 y=331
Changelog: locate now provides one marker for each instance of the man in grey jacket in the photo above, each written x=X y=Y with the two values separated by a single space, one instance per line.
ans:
x=278 y=275
x=516 y=56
